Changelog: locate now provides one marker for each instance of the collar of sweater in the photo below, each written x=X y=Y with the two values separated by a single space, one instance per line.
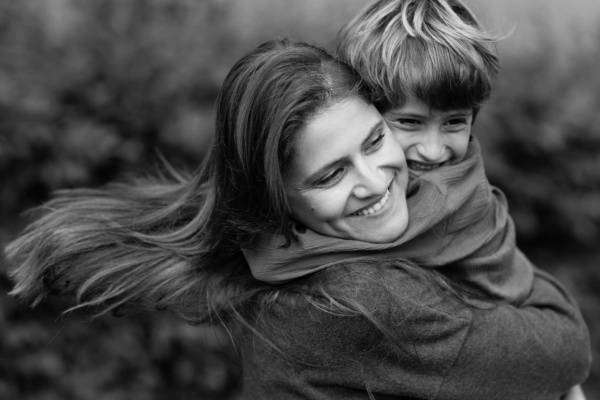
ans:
x=432 y=199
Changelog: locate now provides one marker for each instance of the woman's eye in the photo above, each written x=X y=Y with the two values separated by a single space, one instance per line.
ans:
x=331 y=178
x=376 y=143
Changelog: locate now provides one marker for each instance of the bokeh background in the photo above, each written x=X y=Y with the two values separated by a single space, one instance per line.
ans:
x=89 y=90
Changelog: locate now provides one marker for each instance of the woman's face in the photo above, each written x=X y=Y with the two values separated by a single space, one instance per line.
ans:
x=348 y=178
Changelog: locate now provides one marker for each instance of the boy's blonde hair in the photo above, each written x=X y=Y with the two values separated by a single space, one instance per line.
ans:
x=434 y=51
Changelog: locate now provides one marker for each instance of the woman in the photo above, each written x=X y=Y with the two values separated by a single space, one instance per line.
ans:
x=300 y=145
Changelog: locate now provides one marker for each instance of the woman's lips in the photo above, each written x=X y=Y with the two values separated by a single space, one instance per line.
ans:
x=375 y=207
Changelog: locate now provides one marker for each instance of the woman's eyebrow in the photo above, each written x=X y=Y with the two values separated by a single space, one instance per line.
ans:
x=375 y=129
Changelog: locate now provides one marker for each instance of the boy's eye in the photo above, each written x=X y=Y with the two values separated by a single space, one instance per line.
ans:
x=457 y=121
x=409 y=123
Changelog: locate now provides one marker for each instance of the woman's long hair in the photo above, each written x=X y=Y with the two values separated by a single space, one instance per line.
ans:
x=173 y=241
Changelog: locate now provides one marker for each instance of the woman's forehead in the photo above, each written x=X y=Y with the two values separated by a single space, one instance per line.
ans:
x=336 y=132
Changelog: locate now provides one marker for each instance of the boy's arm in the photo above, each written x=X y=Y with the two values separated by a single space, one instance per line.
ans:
x=576 y=393
x=476 y=242
x=496 y=266
x=544 y=340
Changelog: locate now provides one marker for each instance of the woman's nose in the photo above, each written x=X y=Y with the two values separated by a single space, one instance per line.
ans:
x=371 y=181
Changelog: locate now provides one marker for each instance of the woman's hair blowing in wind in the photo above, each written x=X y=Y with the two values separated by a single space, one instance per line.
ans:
x=173 y=241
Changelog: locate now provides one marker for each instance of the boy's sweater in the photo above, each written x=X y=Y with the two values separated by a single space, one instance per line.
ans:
x=458 y=223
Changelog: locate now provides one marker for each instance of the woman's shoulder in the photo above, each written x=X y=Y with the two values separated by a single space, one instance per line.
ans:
x=400 y=329
x=393 y=286
x=371 y=298
x=360 y=322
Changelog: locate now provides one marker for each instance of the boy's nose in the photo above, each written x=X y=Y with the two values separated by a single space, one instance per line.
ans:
x=431 y=147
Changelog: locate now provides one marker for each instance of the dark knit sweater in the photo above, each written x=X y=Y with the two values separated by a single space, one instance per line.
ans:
x=446 y=348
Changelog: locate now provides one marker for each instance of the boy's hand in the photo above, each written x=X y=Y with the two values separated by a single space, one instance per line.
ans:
x=574 y=394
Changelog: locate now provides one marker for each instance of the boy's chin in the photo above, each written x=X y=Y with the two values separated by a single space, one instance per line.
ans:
x=417 y=173
x=412 y=175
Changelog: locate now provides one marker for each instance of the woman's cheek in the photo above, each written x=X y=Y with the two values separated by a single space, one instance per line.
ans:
x=330 y=205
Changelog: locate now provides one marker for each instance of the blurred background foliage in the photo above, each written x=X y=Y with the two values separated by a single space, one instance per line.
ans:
x=90 y=91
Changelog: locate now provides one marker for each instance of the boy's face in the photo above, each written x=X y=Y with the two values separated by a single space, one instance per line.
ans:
x=430 y=138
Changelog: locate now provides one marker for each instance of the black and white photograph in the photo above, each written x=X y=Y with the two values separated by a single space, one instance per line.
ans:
x=299 y=199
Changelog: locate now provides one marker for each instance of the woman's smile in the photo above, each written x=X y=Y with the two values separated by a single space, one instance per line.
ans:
x=376 y=207
x=349 y=175
x=385 y=218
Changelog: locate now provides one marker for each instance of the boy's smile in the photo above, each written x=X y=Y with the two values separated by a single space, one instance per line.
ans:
x=430 y=138
x=419 y=166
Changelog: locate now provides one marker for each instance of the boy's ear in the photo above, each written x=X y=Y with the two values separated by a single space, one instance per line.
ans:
x=475 y=112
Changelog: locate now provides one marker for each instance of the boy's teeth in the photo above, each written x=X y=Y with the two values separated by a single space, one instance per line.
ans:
x=422 y=167
x=375 y=207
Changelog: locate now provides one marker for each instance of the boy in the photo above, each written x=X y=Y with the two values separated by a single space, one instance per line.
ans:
x=430 y=66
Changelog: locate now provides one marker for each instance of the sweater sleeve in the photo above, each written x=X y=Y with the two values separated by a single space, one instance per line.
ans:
x=490 y=259
x=538 y=350
x=476 y=240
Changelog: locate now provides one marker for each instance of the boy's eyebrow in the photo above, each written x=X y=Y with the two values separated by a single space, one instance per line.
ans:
x=454 y=113
x=461 y=113
x=405 y=113
x=375 y=129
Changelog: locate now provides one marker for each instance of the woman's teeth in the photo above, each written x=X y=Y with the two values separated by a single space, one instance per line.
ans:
x=375 y=207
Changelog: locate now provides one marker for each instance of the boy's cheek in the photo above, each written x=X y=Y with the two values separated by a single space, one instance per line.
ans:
x=400 y=137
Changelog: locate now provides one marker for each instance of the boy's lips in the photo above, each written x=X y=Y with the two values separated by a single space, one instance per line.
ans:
x=420 y=166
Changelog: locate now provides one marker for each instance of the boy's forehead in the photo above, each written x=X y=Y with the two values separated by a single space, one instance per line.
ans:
x=412 y=105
